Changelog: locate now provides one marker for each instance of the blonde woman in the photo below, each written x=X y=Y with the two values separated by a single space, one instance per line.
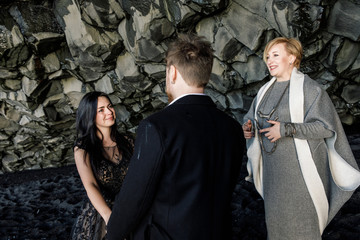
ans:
x=299 y=158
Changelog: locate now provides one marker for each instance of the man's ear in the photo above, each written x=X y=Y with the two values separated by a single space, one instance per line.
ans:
x=172 y=74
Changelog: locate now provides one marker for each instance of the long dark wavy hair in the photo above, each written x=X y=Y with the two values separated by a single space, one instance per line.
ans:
x=86 y=129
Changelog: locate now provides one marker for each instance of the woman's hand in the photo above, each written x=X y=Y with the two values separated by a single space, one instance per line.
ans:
x=107 y=217
x=273 y=132
x=247 y=129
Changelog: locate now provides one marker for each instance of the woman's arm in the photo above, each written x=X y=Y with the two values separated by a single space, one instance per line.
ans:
x=92 y=188
x=313 y=130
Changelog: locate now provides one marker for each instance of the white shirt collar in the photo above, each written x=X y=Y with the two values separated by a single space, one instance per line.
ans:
x=187 y=94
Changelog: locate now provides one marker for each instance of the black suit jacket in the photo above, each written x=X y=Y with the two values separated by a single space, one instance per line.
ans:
x=181 y=177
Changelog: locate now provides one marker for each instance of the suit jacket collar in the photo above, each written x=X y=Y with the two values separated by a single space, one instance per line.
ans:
x=194 y=99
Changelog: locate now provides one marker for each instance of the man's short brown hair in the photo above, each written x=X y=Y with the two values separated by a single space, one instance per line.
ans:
x=193 y=57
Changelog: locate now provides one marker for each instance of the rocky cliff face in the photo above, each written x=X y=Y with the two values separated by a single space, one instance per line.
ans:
x=52 y=52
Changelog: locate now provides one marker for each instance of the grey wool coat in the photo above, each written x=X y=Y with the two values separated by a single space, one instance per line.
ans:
x=326 y=164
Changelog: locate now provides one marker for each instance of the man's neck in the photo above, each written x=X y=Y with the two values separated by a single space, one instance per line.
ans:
x=186 y=94
x=188 y=90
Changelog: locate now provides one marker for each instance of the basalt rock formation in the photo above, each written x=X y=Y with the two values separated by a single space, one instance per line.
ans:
x=53 y=52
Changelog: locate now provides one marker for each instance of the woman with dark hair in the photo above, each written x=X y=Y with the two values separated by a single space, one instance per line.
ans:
x=299 y=158
x=102 y=157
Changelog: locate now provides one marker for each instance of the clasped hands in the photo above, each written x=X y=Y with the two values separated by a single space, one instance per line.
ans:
x=272 y=133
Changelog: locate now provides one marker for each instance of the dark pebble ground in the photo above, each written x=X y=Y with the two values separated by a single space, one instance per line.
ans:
x=43 y=204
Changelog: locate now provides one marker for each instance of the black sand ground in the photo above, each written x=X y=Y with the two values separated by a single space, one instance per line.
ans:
x=43 y=204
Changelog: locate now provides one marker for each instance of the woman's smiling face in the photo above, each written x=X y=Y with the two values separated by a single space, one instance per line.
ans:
x=105 y=115
x=280 y=62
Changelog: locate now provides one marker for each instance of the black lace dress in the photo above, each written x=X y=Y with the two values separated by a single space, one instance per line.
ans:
x=110 y=175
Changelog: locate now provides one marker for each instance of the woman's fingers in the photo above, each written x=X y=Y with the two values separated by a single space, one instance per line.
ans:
x=247 y=129
x=273 y=132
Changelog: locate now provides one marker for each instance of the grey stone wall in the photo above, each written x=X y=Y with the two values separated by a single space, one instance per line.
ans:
x=52 y=52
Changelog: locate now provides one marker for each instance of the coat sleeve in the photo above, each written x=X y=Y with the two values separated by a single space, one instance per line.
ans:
x=251 y=113
x=318 y=108
x=137 y=192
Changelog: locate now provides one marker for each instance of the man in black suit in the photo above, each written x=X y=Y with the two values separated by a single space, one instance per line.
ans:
x=186 y=160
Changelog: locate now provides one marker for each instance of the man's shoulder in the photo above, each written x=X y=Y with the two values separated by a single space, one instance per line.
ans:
x=157 y=119
x=158 y=115
x=227 y=117
x=176 y=112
